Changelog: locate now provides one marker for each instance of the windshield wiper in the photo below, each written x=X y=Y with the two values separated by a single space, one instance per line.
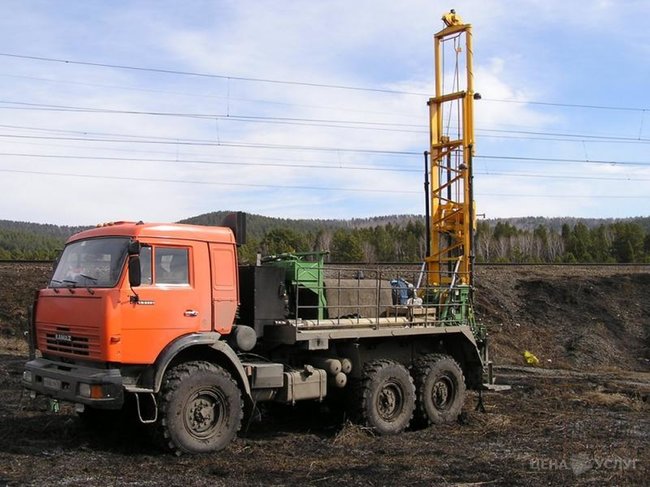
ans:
x=89 y=278
x=70 y=282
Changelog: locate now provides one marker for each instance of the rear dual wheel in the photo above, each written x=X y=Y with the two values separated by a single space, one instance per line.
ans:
x=440 y=389
x=385 y=397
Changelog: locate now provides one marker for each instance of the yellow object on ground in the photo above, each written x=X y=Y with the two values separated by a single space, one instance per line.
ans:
x=530 y=358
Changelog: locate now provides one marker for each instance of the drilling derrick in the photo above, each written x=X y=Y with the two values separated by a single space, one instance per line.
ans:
x=451 y=120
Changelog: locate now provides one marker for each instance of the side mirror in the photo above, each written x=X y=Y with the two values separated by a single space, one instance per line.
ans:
x=135 y=276
x=134 y=247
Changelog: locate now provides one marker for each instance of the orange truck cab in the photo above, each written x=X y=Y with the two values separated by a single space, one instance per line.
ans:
x=91 y=315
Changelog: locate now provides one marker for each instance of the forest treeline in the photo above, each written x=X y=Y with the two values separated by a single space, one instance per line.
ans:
x=396 y=238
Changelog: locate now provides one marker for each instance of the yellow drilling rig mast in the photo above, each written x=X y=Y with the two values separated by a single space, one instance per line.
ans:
x=451 y=116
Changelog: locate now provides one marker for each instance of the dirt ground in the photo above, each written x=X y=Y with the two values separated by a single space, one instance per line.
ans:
x=578 y=418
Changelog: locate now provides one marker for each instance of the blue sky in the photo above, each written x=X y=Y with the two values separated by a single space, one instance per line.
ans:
x=165 y=165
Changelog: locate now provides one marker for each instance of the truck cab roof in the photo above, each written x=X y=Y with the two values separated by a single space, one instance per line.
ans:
x=158 y=230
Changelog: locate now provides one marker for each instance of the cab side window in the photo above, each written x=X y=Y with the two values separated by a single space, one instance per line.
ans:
x=145 y=266
x=172 y=265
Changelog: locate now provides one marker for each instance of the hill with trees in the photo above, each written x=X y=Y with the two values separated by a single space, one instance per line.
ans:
x=394 y=238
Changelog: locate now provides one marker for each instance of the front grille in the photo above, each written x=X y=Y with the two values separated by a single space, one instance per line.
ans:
x=76 y=344
x=63 y=340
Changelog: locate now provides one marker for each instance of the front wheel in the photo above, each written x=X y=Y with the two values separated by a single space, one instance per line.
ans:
x=200 y=410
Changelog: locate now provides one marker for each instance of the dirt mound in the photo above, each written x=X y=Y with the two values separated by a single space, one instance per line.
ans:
x=576 y=317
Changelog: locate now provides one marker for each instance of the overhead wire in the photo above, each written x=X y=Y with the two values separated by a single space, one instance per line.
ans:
x=332 y=123
x=215 y=183
x=314 y=166
x=210 y=75
x=210 y=162
x=380 y=126
x=249 y=145
x=198 y=142
x=302 y=83
x=310 y=188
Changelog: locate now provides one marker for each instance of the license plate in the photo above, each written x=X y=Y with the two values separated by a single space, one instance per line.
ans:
x=51 y=383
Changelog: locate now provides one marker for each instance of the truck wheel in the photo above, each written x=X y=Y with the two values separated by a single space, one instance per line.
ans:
x=386 y=397
x=440 y=389
x=200 y=408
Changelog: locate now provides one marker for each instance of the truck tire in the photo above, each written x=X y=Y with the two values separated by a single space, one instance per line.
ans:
x=385 y=397
x=200 y=408
x=440 y=389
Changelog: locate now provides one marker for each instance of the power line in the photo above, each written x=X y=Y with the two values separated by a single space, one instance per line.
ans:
x=314 y=148
x=220 y=144
x=304 y=83
x=569 y=105
x=210 y=75
x=559 y=160
x=205 y=95
x=580 y=136
x=314 y=166
x=562 y=196
x=324 y=107
x=560 y=176
x=310 y=188
x=214 y=183
x=324 y=149
x=327 y=123
x=173 y=153
x=210 y=116
x=198 y=161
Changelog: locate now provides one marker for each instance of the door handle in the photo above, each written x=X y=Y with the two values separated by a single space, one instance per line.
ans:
x=190 y=313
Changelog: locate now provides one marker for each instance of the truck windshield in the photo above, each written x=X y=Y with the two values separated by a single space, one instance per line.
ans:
x=91 y=263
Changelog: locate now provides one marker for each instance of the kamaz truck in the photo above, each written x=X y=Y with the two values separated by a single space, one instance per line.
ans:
x=163 y=317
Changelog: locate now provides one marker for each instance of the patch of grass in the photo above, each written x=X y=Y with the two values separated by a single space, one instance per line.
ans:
x=14 y=346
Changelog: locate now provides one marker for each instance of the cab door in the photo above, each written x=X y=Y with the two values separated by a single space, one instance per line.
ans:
x=174 y=299
x=225 y=287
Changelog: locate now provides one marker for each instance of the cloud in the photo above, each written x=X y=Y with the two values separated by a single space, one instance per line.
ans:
x=376 y=44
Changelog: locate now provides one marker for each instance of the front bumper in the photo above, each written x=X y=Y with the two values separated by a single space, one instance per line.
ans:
x=74 y=383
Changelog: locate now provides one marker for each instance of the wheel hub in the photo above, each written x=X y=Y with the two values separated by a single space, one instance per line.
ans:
x=203 y=413
x=389 y=401
x=442 y=393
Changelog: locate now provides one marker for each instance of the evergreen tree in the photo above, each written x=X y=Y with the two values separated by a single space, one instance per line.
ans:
x=346 y=247
x=628 y=243
x=281 y=240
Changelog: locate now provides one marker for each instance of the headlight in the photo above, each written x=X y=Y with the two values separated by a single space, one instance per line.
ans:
x=27 y=376
x=84 y=390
